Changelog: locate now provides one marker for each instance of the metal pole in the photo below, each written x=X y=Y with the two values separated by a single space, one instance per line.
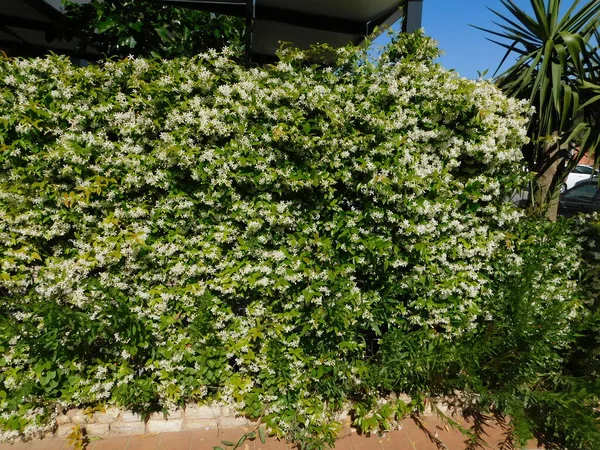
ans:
x=413 y=16
x=250 y=14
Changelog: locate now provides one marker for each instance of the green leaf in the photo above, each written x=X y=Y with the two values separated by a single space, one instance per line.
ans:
x=130 y=42
x=163 y=33
x=241 y=440
x=137 y=26
x=103 y=27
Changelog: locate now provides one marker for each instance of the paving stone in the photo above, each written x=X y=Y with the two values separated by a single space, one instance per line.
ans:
x=127 y=428
x=148 y=442
x=345 y=419
x=232 y=422
x=18 y=445
x=405 y=398
x=200 y=424
x=173 y=414
x=48 y=444
x=344 y=443
x=64 y=430
x=429 y=411
x=74 y=412
x=202 y=412
x=110 y=443
x=176 y=441
x=109 y=416
x=162 y=426
x=77 y=416
x=344 y=432
x=79 y=419
x=129 y=416
x=97 y=429
x=63 y=419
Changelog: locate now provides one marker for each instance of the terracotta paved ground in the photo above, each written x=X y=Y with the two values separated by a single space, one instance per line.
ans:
x=409 y=438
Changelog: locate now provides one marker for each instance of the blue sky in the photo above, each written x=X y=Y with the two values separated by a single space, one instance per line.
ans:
x=466 y=48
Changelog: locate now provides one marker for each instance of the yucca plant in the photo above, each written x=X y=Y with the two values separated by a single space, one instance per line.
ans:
x=558 y=71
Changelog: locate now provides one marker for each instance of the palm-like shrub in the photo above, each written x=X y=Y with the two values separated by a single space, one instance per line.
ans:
x=557 y=72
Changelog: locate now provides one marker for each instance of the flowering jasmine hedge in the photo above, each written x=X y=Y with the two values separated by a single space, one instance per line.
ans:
x=289 y=239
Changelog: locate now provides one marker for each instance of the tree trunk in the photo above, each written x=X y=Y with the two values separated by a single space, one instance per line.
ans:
x=550 y=173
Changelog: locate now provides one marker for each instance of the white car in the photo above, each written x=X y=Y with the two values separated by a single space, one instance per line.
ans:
x=579 y=173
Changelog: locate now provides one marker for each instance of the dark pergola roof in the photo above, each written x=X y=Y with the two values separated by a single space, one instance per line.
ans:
x=307 y=22
x=25 y=25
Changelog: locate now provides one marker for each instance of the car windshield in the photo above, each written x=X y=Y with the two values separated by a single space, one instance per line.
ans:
x=583 y=190
x=587 y=170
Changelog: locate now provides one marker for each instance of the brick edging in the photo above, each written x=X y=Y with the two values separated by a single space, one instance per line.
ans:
x=119 y=422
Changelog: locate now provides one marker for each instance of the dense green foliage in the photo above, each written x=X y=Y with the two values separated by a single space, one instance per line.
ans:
x=147 y=28
x=290 y=239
